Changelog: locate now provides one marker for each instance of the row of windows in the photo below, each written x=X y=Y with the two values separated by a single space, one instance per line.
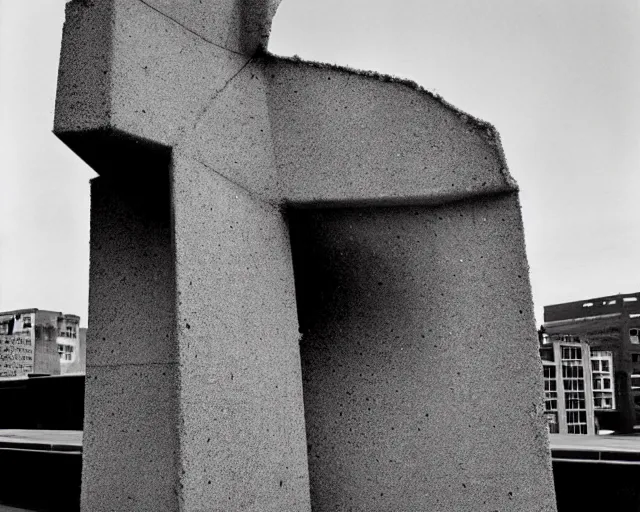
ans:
x=572 y=372
x=70 y=332
x=611 y=302
x=573 y=384
x=571 y=353
x=576 y=417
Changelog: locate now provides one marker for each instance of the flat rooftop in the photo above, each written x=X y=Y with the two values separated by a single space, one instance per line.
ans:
x=612 y=305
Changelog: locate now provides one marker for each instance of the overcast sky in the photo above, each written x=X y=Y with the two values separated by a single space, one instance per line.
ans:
x=559 y=79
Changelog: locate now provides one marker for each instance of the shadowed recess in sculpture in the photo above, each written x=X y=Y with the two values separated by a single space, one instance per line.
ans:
x=397 y=308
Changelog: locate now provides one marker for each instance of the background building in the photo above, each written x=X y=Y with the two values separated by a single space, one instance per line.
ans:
x=568 y=390
x=34 y=341
x=610 y=326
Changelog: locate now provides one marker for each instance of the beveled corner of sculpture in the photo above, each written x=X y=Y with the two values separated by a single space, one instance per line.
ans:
x=146 y=70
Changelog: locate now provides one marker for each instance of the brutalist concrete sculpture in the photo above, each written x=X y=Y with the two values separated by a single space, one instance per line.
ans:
x=308 y=285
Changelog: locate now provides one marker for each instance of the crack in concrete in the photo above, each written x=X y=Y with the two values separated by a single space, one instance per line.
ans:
x=207 y=105
x=250 y=193
x=188 y=29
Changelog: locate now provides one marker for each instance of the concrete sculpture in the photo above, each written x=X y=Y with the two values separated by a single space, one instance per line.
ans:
x=308 y=285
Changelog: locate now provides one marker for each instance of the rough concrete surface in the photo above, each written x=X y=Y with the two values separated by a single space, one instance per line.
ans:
x=131 y=260
x=245 y=199
x=242 y=422
x=343 y=138
x=130 y=447
x=413 y=400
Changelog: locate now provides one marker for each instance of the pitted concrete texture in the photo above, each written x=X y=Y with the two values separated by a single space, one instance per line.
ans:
x=236 y=26
x=83 y=96
x=408 y=278
x=428 y=399
x=139 y=76
x=345 y=139
x=131 y=389
x=131 y=260
x=242 y=420
x=130 y=415
x=233 y=136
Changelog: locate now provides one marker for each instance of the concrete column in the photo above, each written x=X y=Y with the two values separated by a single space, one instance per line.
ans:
x=241 y=429
x=419 y=387
x=131 y=445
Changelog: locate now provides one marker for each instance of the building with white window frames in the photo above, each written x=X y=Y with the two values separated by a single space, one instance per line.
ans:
x=568 y=394
x=610 y=326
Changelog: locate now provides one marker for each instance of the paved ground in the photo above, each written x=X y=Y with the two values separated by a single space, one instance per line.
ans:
x=44 y=440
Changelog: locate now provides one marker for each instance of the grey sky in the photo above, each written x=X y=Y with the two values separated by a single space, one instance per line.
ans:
x=559 y=80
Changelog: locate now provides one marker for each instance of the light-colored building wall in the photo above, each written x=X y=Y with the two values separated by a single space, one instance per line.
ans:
x=34 y=341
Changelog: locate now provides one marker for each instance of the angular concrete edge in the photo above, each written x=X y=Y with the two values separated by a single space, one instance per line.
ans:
x=344 y=137
x=153 y=91
x=132 y=381
x=125 y=68
x=83 y=100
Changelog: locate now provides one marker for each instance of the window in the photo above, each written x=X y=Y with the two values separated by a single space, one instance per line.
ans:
x=630 y=299
x=633 y=336
x=27 y=321
x=574 y=389
x=551 y=397
x=587 y=305
x=571 y=354
x=65 y=352
x=602 y=376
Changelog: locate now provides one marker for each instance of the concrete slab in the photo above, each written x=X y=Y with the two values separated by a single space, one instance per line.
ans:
x=136 y=80
x=343 y=138
x=131 y=283
x=233 y=136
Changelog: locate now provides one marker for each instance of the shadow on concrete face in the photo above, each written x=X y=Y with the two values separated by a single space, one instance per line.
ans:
x=356 y=290
x=137 y=171
x=339 y=270
x=255 y=23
